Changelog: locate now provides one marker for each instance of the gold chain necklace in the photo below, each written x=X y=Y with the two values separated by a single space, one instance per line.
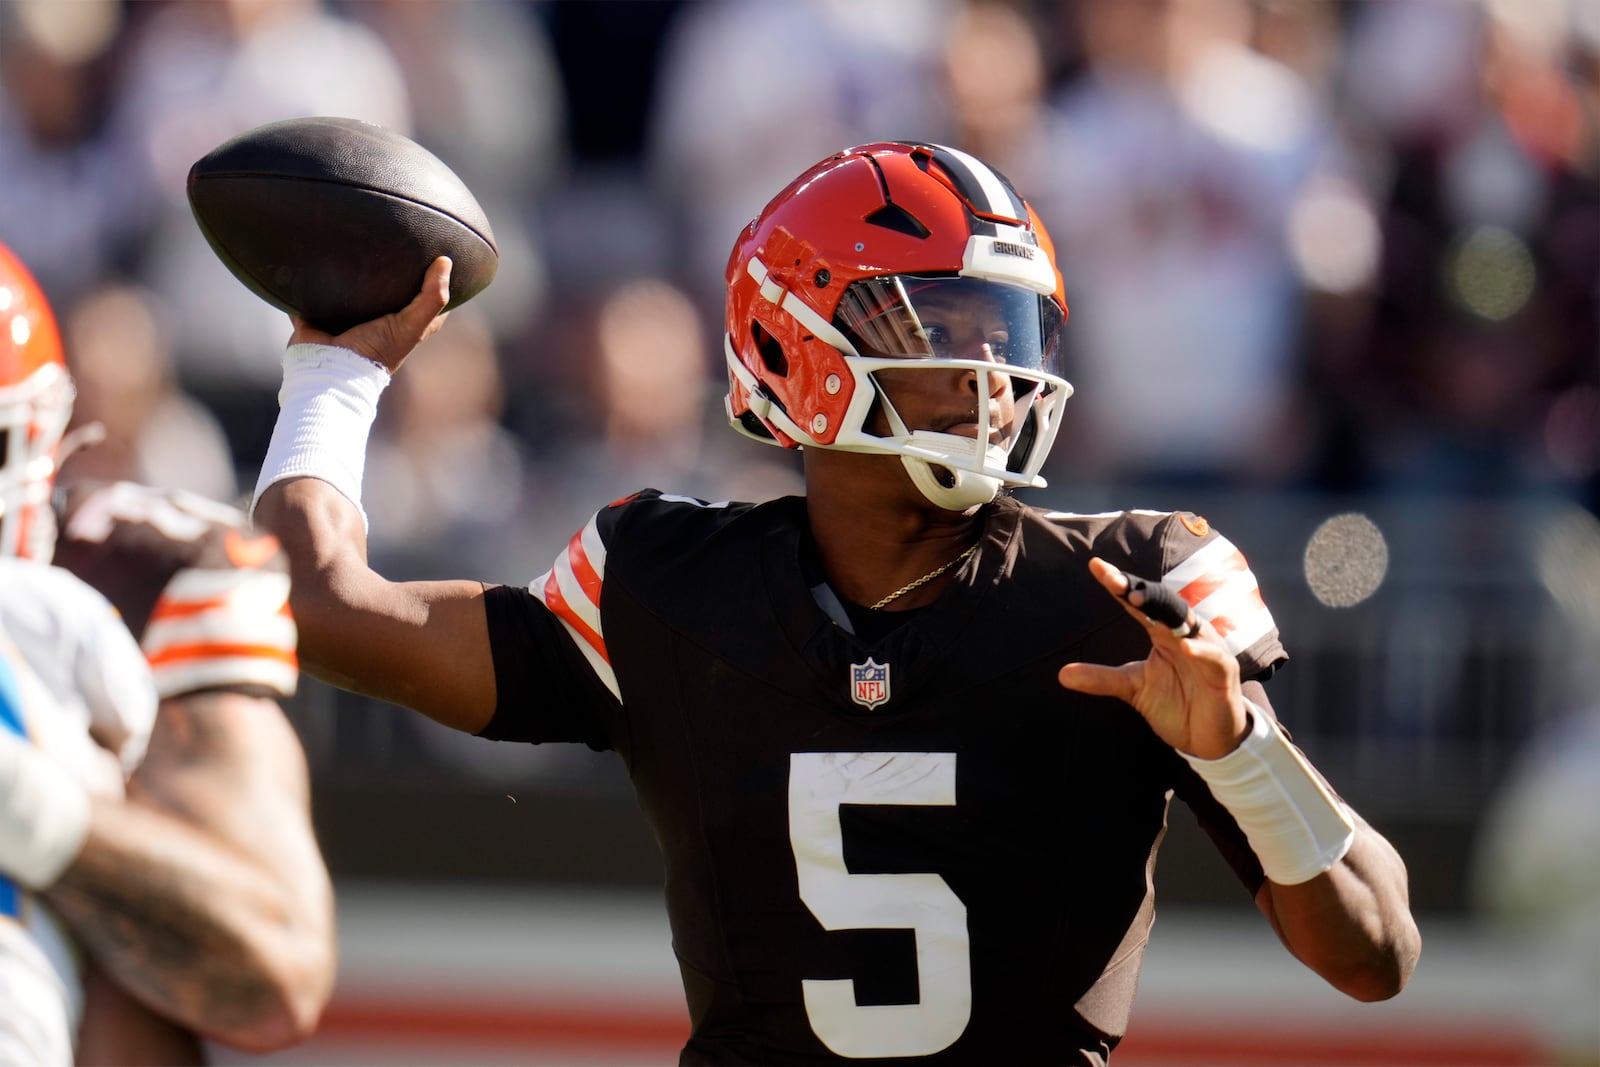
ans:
x=924 y=580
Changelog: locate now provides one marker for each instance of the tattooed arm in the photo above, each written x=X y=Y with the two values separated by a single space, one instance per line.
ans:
x=119 y=1031
x=205 y=895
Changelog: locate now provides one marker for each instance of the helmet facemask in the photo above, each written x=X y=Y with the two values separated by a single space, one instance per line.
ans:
x=33 y=416
x=890 y=325
x=901 y=298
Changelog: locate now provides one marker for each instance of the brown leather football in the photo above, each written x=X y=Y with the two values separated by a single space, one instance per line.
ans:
x=336 y=220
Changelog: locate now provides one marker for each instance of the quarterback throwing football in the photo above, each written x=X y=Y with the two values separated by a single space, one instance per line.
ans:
x=907 y=744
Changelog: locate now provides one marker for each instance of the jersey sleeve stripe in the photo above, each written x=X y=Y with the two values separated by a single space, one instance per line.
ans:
x=579 y=597
x=588 y=640
x=263 y=589
x=223 y=627
x=587 y=555
x=1200 y=588
x=276 y=630
x=1225 y=625
x=1217 y=582
x=570 y=616
x=571 y=590
x=1217 y=562
x=198 y=583
x=187 y=675
x=222 y=650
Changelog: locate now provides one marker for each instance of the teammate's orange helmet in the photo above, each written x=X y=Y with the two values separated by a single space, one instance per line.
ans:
x=835 y=280
x=35 y=404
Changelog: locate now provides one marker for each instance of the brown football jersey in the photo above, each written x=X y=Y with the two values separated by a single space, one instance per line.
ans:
x=913 y=848
x=206 y=597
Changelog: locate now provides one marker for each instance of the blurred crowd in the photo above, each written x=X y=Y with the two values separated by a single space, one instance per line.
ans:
x=1338 y=248
x=1371 y=229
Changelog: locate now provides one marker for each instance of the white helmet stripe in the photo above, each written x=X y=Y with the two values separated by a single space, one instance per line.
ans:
x=981 y=184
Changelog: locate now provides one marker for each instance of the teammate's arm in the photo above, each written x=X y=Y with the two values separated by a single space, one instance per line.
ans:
x=205 y=895
x=423 y=645
x=1347 y=918
x=118 y=1030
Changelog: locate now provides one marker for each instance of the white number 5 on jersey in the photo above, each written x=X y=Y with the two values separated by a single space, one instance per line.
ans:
x=923 y=903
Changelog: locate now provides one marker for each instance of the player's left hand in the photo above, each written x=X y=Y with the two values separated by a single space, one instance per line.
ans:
x=1187 y=689
x=388 y=340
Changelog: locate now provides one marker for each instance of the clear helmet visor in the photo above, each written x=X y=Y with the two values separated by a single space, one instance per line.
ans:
x=942 y=317
x=944 y=324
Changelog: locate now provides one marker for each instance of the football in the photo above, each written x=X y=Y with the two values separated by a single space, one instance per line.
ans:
x=336 y=220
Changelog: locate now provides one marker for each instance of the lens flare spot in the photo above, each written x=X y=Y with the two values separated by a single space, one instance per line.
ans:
x=1492 y=273
x=1346 y=560
x=1567 y=556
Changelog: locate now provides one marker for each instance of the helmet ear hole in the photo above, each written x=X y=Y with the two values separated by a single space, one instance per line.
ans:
x=771 y=351
x=754 y=426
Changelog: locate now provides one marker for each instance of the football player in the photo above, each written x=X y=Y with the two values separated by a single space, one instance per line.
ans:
x=204 y=902
x=76 y=704
x=907 y=744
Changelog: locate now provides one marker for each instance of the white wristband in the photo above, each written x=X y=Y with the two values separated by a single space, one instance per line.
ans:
x=325 y=411
x=44 y=814
x=1296 y=826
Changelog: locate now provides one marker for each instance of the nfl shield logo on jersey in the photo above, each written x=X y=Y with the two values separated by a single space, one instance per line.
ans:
x=869 y=683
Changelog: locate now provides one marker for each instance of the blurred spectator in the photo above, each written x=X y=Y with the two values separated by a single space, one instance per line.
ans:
x=119 y=352
x=602 y=221
x=753 y=91
x=645 y=412
x=1481 y=352
x=993 y=92
x=67 y=209
x=198 y=72
x=1181 y=154
x=486 y=98
x=445 y=476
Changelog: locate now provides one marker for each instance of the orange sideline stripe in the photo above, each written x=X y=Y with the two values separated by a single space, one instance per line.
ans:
x=222 y=649
x=1442 y=1043
x=1155 y=1040
x=394 y=1018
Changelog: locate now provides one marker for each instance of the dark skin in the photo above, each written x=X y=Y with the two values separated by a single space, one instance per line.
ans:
x=425 y=644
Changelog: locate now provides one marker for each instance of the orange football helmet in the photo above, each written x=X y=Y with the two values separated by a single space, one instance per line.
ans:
x=35 y=404
x=838 y=279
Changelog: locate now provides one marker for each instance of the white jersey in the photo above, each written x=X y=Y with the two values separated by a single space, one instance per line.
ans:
x=73 y=683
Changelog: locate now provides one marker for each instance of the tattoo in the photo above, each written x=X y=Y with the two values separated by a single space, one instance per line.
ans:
x=152 y=929
x=193 y=893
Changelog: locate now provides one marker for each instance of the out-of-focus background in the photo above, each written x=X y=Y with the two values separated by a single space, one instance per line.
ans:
x=1333 y=270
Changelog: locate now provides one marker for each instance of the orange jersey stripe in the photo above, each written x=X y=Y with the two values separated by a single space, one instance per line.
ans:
x=1225 y=626
x=220 y=650
x=1214 y=579
x=558 y=604
x=589 y=579
x=182 y=609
